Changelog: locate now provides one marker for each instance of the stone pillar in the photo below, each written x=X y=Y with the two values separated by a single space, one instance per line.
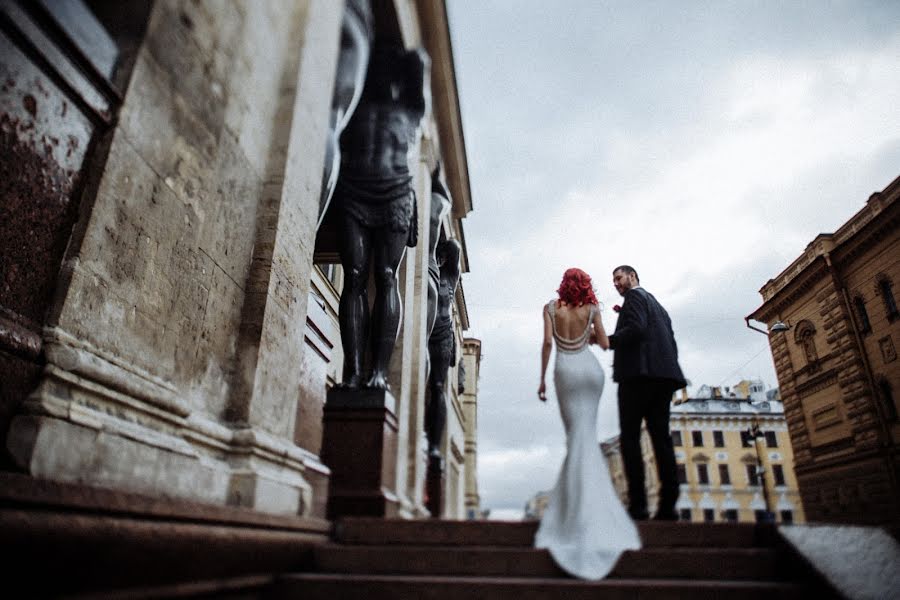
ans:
x=174 y=342
x=416 y=446
x=471 y=363
x=264 y=396
x=402 y=373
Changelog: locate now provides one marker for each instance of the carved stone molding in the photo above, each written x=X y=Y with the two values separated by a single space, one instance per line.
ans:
x=95 y=419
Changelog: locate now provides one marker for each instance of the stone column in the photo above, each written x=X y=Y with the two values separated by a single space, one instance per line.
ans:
x=173 y=345
x=262 y=403
x=416 y=445
x=471 y=363
x=402 y=372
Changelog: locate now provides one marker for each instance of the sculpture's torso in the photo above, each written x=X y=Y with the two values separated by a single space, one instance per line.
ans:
x=376 y=142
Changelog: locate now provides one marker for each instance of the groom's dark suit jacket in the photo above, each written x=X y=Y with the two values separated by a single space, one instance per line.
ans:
x=644 y=343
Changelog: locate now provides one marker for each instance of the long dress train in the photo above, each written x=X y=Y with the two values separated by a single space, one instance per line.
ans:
x=585 y=526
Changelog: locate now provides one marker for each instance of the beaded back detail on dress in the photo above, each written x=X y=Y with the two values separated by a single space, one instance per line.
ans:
x=566 y=344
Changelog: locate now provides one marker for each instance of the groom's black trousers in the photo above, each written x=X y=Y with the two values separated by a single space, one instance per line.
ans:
x=639 y=400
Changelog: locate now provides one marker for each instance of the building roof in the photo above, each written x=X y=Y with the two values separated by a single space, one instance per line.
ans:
x=865 y=224
x=728 y=406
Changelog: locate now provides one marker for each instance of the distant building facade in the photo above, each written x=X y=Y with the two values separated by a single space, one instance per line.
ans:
x=727 y=473
x=837 y=366
x=612 y=453
x=535 y=506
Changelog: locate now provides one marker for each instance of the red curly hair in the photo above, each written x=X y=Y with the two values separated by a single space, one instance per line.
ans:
x=576 y=288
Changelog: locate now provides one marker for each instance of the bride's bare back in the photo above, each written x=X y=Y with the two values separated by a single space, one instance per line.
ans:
x=571 y=321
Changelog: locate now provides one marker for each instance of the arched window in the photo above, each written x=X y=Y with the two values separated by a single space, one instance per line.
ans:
x=804 y=335
x=862 y=315
x=885 y=289
x=887 y=400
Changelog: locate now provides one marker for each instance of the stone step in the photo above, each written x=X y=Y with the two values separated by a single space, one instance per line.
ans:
x=390 y=587
x=383 y=532
x=485 y=561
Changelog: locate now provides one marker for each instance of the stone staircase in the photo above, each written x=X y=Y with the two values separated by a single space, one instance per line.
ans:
x=381 y=559
x=75 y=541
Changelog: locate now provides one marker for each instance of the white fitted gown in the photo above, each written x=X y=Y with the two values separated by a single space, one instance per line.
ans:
x=585 y=526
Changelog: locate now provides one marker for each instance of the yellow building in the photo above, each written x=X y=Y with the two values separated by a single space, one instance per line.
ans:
x=612 y=452
x=536 y=505
x=726 y=472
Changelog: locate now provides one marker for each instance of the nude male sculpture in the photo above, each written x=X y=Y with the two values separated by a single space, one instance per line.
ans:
x=440 y=206
x=442 y=345
x=376 y=205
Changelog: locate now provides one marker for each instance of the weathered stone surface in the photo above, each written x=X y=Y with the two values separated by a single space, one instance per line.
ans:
x=175 y=352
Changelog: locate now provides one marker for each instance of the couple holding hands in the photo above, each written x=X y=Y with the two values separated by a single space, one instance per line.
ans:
x=585 y=527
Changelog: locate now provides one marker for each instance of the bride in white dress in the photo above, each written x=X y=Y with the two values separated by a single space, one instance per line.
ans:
x=585 y=527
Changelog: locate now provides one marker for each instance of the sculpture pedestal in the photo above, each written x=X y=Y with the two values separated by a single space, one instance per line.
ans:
x=434 y=486
x=359 y=445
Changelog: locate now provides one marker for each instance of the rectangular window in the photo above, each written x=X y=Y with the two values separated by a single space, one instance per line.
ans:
x=752 y=478
x=697 y=439
x=887 y=400
x=685 y=514
x=682 y=473
x=787 y=517
x=702 y=474
x=746 y=439
x=724 y=475
x=676 y=438
x=709 y=515
x=771 y=440
x=887 y=295
x=778 y=473
x=761 y=516
x=862 y=315
x=731 y=515
x=718 y=439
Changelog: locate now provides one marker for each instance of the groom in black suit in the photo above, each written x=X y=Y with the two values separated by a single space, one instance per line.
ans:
x=646 y=368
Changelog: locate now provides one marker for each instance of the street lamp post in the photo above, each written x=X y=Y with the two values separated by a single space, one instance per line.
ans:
x=754 y=432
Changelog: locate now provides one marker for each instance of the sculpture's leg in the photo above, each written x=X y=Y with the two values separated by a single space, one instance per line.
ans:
x=432 y=307
x=436 y=405
x=353 y=315
x=388 y=252
x=435 y=422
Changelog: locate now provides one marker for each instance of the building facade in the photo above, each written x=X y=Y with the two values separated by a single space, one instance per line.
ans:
x=535 y=506
x=612 y=453
x=734 y=457
x=837 y=366
x=166 y=324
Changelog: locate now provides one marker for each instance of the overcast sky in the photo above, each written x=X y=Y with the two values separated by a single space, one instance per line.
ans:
x=704 y=143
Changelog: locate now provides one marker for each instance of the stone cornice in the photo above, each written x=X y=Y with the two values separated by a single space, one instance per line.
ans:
x=857 y=234
x=790 y=289
x=871 y=234
x=447 y=113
